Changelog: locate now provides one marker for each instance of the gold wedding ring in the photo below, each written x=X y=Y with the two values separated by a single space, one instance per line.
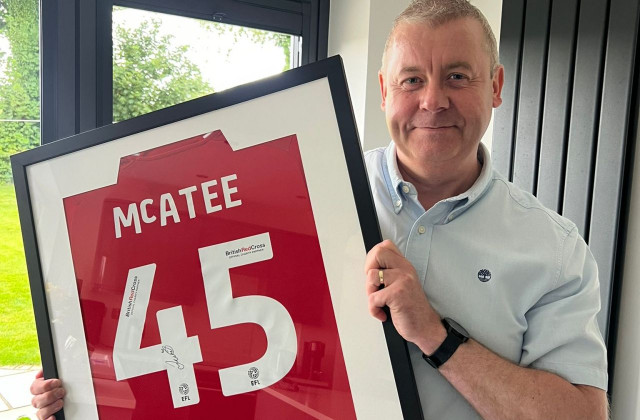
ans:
x=381 y=276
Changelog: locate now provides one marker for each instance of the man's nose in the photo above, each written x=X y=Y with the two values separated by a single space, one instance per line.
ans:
x=434 y=98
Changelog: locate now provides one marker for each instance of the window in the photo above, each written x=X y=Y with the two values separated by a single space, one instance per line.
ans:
x=80 y=44
x=19 y=131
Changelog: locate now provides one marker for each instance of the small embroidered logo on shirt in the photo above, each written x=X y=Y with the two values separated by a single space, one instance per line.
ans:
x=484 y=275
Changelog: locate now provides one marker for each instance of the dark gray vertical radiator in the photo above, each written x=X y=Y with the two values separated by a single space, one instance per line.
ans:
x=566 y=123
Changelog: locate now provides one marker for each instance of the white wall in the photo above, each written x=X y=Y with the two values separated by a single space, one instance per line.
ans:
x=492 y=10
x=357 y=31
x=382 y=14
x=349 y=37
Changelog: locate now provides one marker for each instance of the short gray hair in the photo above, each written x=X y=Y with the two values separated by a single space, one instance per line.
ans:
x=437 y=12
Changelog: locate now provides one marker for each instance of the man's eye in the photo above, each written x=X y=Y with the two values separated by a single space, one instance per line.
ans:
x=412 y=81
x=457 y=76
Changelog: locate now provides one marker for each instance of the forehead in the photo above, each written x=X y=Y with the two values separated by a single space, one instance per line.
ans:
x=456 y=41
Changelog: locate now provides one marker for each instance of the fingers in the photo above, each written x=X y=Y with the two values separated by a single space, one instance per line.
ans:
x=376 y=279
x=40 y=385
x=389 y=245
x=373 y=283
x=386 y=266
x=376 y=305
x=46 y=413
x=384 y=255
x=47 y=396
x=379 y=298
x=383 y=263
x=402 y=299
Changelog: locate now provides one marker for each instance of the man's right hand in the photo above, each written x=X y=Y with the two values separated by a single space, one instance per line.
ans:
x=47 y=396
x=411 y=313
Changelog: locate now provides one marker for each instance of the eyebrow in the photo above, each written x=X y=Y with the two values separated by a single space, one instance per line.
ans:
x=410 y=69
x=455 y=65
x=458 y=64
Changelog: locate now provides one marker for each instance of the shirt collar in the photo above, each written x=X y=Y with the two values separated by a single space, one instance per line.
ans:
x=400 y=189
x=393 y=178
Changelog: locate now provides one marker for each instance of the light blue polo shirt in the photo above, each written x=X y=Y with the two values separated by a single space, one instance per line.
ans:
x=516 y=275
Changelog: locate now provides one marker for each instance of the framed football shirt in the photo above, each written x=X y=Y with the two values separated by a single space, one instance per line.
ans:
x=207 y=259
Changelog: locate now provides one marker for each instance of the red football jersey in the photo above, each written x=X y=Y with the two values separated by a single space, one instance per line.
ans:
x=202 y=287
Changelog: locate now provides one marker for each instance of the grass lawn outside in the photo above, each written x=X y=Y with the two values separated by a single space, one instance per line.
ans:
x=18 y=341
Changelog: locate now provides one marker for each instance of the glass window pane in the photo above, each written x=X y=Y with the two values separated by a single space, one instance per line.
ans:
x=160 y=60
x=19 y=131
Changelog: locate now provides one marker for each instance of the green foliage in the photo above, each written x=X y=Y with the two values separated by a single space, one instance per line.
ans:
x=3 y=14
x=18 y=342
x=20 y=89
x=3 y=25
x=19 y=99
x=256 y=36
x=149 y=73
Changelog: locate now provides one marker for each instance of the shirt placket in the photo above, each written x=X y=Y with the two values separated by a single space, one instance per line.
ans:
x=420 y=238
x=419 y=246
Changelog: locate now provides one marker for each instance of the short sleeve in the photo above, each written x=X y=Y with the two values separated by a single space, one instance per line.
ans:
x=562 y=334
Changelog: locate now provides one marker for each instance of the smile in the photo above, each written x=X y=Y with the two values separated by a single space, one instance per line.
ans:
x=435 y=128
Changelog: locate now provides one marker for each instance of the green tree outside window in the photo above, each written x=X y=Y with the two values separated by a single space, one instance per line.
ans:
x=150 y=72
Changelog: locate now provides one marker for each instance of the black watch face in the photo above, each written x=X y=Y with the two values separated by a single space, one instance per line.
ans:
x=457 y=328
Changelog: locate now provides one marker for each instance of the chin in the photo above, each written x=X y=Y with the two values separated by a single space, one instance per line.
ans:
x=435 y=146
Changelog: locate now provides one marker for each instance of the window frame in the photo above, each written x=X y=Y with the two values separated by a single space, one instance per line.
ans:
x=77 y=49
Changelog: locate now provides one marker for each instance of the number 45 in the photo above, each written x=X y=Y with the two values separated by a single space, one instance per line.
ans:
x=177 y=353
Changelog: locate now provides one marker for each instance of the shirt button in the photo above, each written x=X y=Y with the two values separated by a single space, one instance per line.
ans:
x=421 y=230
x=398 y=203
x=405 y=189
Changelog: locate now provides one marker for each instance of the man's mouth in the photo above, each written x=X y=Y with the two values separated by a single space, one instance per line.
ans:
x=429 y=127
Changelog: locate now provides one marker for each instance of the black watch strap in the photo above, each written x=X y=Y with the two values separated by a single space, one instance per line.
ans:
x=448 y=346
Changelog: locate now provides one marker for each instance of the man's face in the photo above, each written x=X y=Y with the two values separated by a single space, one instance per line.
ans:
x=437 y=92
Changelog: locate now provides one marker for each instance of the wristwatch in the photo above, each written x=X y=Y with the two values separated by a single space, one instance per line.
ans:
x=456 y=335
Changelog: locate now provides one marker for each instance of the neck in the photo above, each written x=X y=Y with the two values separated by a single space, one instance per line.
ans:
x=438 y=181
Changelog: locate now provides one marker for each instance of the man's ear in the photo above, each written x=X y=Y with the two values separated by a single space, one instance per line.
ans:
x=383 y=89
x=498 y=82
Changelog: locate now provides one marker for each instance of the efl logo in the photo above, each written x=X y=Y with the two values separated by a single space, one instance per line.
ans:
x=253 y=374
x=184 y=389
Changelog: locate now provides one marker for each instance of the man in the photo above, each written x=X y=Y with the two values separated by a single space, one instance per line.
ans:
x=465 y=244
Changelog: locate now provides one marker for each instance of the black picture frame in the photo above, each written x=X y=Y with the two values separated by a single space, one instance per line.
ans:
x=39 y=247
